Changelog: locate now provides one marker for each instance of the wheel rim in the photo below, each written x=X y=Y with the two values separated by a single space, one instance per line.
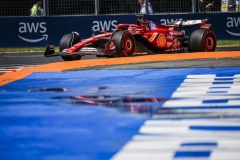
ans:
x=209 y=43
x=127 y=46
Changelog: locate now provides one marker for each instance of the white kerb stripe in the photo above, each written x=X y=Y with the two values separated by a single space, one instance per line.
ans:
x=125 y=155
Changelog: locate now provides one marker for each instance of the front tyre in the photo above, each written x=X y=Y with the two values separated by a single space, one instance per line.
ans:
x=202 y=40
x=67 y=41
x=125 y=43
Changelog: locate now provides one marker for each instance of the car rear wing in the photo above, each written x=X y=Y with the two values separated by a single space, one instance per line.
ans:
x=190 y=23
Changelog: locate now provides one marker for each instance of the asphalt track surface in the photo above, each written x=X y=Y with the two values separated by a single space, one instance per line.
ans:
x=37 y=58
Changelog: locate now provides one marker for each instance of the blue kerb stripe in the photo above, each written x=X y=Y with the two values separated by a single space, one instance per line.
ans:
x=218 y=87
x=222 y=83
x=215 y=101
x=181 y=154
x=216 y=128
x=199 y=144
x=226 y=79
x=217 y=92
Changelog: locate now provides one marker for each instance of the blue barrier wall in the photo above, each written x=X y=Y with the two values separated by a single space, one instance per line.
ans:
x=40 y=31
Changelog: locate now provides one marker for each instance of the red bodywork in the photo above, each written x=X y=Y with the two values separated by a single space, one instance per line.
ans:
x=161 y=37
x=90 y=40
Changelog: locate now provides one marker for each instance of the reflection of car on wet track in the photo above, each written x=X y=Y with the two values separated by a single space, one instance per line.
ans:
x=144 y=37
x=148 y=105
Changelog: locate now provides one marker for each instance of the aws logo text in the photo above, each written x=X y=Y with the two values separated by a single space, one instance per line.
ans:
x=233 y=22
x=34 y=29
x=104 y=25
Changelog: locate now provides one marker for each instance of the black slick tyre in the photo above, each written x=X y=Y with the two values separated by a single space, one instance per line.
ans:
x=125 y=44
x=67 y=41
x=202 y=40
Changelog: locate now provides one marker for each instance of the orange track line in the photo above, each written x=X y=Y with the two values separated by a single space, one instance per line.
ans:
x=60 y=66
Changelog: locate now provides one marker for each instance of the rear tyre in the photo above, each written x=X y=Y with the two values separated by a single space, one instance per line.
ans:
x=125 y=44
x=202 y=40
x=67 y=41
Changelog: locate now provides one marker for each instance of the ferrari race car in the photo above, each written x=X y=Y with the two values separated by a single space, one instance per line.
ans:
x=144 y=37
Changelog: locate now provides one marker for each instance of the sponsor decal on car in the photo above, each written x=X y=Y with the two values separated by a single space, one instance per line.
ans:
x=161 y=40
x=169 y=44
x=152 y=37
x=174 y=33
x=176 y=43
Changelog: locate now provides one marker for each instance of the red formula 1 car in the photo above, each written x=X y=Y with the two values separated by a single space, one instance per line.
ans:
x=144 y=37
